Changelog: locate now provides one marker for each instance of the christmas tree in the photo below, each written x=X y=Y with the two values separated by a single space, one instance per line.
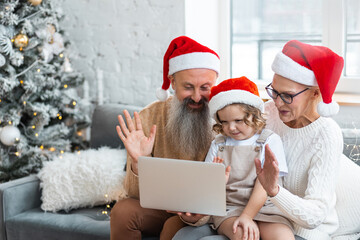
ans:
x=41 y=113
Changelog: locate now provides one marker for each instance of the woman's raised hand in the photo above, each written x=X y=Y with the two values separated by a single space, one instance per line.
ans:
x=134 y=139
x=268 y=175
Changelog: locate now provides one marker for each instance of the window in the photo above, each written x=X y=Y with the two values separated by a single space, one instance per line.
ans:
x=261 y=28
x=248 y=34
x=352 y=37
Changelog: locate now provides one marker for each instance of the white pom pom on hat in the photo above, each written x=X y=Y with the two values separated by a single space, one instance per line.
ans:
x=162 y=94
x=312 y=66
x=185 y=53
x=328 y=110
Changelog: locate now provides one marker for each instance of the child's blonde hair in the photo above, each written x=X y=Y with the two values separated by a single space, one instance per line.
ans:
x=258 y=121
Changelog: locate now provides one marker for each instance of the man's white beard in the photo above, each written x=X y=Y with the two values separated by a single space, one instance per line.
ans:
x=189 y=130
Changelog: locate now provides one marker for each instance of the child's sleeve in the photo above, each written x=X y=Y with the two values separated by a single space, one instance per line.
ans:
x=277 y=148
x=212 y=152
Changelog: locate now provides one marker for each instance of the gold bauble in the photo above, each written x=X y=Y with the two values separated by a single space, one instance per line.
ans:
x=21 y=40
x=35 y=2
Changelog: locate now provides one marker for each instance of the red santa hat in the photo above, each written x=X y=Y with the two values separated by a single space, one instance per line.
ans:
x=312 y=66
x=185 y=53
x=234 y=90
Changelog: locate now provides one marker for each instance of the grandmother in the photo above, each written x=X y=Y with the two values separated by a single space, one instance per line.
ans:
x=302 y=88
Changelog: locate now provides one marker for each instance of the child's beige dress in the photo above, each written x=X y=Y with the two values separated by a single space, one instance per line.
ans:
x=242 y=181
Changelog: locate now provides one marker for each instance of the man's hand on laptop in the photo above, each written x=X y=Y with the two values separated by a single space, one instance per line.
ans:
x=134 y=139
x=188 y=217
x=227 y=170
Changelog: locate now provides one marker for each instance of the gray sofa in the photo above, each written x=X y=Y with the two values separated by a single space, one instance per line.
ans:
x=21 y=215
x=22 y=218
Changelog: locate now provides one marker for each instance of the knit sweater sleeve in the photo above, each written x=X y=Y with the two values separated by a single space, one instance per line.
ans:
x=131 y=182
x=311 y=209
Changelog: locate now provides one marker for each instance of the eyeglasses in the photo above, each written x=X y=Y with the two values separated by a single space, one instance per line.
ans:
x=287 y=98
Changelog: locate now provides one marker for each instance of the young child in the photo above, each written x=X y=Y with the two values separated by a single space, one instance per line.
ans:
x=238 y=111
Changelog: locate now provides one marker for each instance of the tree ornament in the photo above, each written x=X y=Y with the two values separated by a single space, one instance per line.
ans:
x=21 y=40
x=9 y=135
x=55 y=46
x=35 y=2
x=46 y=33
x=2 y=60
x=66 y=67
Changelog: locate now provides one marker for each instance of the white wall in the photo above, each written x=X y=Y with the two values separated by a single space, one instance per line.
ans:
x=123 y=40
x=208 y=22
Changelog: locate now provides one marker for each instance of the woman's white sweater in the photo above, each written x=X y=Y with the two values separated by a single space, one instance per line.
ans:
x=313 y=155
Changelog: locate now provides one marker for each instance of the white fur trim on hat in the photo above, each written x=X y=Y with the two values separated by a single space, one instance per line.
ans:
x=288 y=68
x=194 y=60
x=222 y=99
x=327 y=109
x=162 y=94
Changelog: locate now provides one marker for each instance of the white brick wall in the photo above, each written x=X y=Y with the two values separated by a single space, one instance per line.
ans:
x=126 y=40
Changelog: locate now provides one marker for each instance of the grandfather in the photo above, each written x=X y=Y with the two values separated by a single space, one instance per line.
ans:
x=169 y=128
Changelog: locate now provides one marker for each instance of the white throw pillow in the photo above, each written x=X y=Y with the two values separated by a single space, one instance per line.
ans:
x=91 y=178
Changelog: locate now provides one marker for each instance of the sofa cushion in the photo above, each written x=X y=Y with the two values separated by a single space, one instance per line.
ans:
x=104 y=121
x=79 y=224
x=90 y=178
x=348 y=198
x=87 y=224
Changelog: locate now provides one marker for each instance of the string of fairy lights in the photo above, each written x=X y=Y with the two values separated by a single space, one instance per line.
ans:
x=107 y=208
x=354 y=148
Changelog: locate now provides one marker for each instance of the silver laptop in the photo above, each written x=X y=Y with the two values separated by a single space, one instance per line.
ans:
x=182 y=185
